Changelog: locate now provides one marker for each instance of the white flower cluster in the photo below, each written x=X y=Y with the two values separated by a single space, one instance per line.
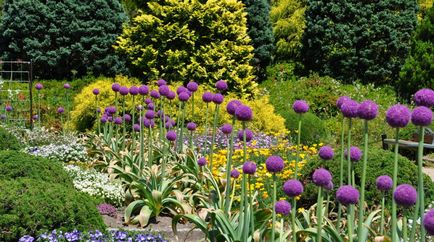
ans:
x=63 y=152
x=96 y=184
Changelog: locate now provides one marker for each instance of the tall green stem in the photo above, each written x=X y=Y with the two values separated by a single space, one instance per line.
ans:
x=420 y=188
x=228 y=168
x=404 y=229
x=142 y=143
x=181 y=136
x=341 y=170
x=206 y=128
x=350 y=222
x=252 y=221
x=246 y=229
x=297 y=158
x=216 y=117
x=273 y=235
x=363 y=183
x=39 y=108
x=319 y=215
x=150 y=147
x=382 y=215
x=293 y=213
x=395 y=182
x=348 y=151
x=97 y=115
x=123 y=123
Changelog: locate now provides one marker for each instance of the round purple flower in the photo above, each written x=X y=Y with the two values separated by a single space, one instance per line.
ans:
x=134 y=90
x=329 y=186
x=232 y=106
x=405 y=195
x=367 y=110
x=110 y=110
x=249 y=167
x=171 y=135
x=347 y=195
x=110 y=119
x=116 y=87
x=183 y=96
x=127 y=118
x=207 y=97
x=168 y=125
x=95 y=91
x=341 y=101
x=66 y=86
x=202 y=161
x=171 y=95
x=164 y=90
x=249 y=135
x=59 y=110
x=384 y=183
x=191 y=126
x=300 y=106
x=321 y=177
x=428 y=222
x=218 y=98
x=155 y=94
x=143 y=90
x=192 y=86
x=424 y=97
x=151 y=106
x=274 y=163
x=136 y=127
x=124 y=91
x=148 y=101
x=35 y=117
x=148 y=123
x=39 y=86
x=104 y=119
x=282 y=207
x=221 y=85
x=235 y=173
x=293 y=188
x=398 y=116
x=8 y=108
x=181 y=89
x=161 y=82
x=118 y=120
x=421 y=116
x=244 y=113
x=350 y=109
x=150 y=114
x=326 y=152
x=226 y=129
x=355 y=153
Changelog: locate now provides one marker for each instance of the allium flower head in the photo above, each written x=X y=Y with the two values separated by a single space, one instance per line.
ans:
x=127 y=118
x=191 y=126
x=398 y=116
x=249 y=135
x=134 y=90
x=221 y=85
x=329 y=186
x=428 y=222
x=282 y=207
x=368 y=110
x=183 y=96
x=168 y=125
x=60 y=110
x=421 y=116
x=355 y=153
x=151 y=106
x=150 y=114
x=116 y=87
x=341 y=101
x=161 y=82
x=66 y=86
x=226 y=129
x=124 y=90
x=136 y=127
x=39 y=86
x=110 y=110
x=244 y=113
x=347 y=195
x=171 y=135
x=148 y=101
x=274 y=164
x=218 y=98
x=350 y=109
x=326 y=152
x=192 y=86
x=95 y=91
x=235 y=173
x=35 y=117
x=202 y=161
x=249 y=167
x=103 y=119
x=118 y=120
x=321 y=177
x=164 y=90
x=171 y=95
x=384 y=183
x=293 y=188
x=143 y=90
x=155 y=94
x=405 y=195
x=300 y=106
x=181 y=89
x=424 y=97
x=207 y=97
x=8 y=108
x=232 y=106
x=148 y=123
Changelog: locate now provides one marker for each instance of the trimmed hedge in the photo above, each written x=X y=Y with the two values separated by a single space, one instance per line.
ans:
x=8 y=141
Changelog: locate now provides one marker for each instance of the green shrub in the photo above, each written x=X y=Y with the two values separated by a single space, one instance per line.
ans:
x=8 y=141
x=313 y=129
x=380 y=162
x=29 y=206
x=283 y=71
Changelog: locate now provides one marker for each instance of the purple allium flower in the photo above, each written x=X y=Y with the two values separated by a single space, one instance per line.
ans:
x=39 y=86
x=164 y=90
x=35 y=117
x=293 y=188
x=218 y=98
x=60 y=110
x=355 y=153
x=148 y=101
x=274 y=163
x=171 y=95
x=202 y=161
x=367 y=110
x=235 y=173
x=398 y=116
x=127 y=118
x=347 y=195
x=282 y=207
x=428 y=222
x=134 y=90
x=110 y=119
x=181 y=89
x=421 y=116
x=350 y=109
x=8 y=108
x=207 y=97
x=191 y=126
x=95 y=91
x=26 y=238
x=106 y=209
x=329 y=186
x=405 y=195
x=300 y=106
x=321 y=177
x=103 y=119
x=341 y=101
x=155 y=94
x=249 y=167
x=384 y=183
x=171 y=135
x=66 y=86
x=150 y=114
x=221 y=85
x=192 y=86
x=116 y=87
x=136 y=127
x=161 y=82
x=148 y=123
x=118 y=120
x=232 y=106
x=111 y=110
x=183 y=96
x=244 y=113
x=139 y=107
x=168 y=125
x=249 y=135
x=151 y=106
x=424 y=97
x=226 y=129
x=124 y=90
x=326 y=152
x=143 y=90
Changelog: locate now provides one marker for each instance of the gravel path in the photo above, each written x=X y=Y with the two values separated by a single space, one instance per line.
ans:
x=429 y=172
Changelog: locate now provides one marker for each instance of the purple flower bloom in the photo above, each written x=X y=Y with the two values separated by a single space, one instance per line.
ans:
x=120 y=235
x=321 y=177
x=136 y=127
x=60 y=110
x=155 y=94
x=191 y=126
x=235 y=173
x=127 y=118
x=384 y=183
x=226 y=129
x=181 y=89
x=221 y=85
x=66 y=86
x=150 y=114
x=300 y=106
x=118 y=120
x=116 y=87
x=192 y=86
x=183 y=96
x=26 y=238
x=202 y=161
x=398 y=116
x=341 y=101
x=232 y=106
x=355 y=153
x=421 y=116
x=168 y=125
x=329 y=186
x=405 y=195
x=171 y=95
x=95 y=91
x=151 y=106
x=249 y=167
x=367 y=110
x=171 y=135
x=161 y=82
x=106 y=209
x=293 y=188
x=218 y=98
x=347 y=195
x=282 y=207
x=148 y=123
x=39 y=86
x=103 y=119
x=124 y=90
x=8 y=108
x=110 y=110
x=134 y=90
x=326 y=152
x=424 y=97
x=35 y=117
x=148 y=101
x=164 y=90
x=274 y=163
x=428 y=222
x=244 y=113
x=249 y=135
x=207 y=97
x=143 y=90
x=2 y=116
x=73 y=236
x=350 y=109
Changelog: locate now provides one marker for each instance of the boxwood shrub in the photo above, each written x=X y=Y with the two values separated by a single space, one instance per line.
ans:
x=8 y=141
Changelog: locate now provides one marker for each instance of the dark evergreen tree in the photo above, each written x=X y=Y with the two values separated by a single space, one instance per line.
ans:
x=261 y=33
x=63 y=38
x=358 y=39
